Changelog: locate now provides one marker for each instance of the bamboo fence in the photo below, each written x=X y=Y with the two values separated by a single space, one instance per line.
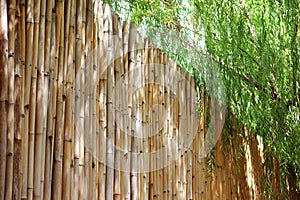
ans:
x=79 y=110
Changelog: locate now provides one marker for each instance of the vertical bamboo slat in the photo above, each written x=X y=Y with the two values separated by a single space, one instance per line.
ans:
x=110 y=154
x=39 y=107
x=11 y=101
x=117 y=34
x=125 y=117
x=32 y=103
x=51 y=104
x=17 y=162
x=3 y=92
x=132 y=107
x=59 y=107
x=67 y=141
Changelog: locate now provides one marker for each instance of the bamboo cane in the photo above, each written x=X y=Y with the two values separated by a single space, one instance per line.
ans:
x=150 y=119
x=117 y=33
x=17 y=172
x=144 y=192
x=28 y=66
x=57 y=173
x=132 y=105
x=3 y=93
x=96 y=95
x=139 y=86
x=165 y=134
x=109 y=107
x=32 y=103
x=45 y=172
x=89 y=98
x=38 y=146
x=126 y=194
x=102 y=109
x=23 y=132
x=190 y=137
x=11 y=101
x=51 y=103
x=67 y=149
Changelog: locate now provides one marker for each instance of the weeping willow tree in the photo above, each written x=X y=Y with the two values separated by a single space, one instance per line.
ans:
x=256 y=46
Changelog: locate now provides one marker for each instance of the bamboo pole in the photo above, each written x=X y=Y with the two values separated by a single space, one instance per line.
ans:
x=23 y=132
x=109 y=106
x=144 y=176
x=48 y=89
x=3 y=93
x=28 y=66
x=77 y=117
x=102 y=107
x=117 y=34
x=89 y=98
x=190 y=117
x=126 y=194
x=59 y=68
x=95 y=127
x=32 y=103
x=38 y=146
x=150 y=118
x=11 y=101
x=139 y=85
x=51 y=103
x=166 y=133
x=18 y=59
x=67 y=143
x=132 y=106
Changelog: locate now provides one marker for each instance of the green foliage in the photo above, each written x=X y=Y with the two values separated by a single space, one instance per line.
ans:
x=255 y=45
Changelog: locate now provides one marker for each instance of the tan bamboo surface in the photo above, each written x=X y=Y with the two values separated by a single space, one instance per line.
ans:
x=87 y=111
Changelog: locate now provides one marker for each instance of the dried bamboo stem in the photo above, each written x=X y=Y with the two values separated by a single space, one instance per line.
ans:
x=32 y=103
x=109 y=106
x=127 y=140
x=39 y=107
x=132 y=105
x=117 y=33
x=11 y=101
x=3 y=92
x=59 y=106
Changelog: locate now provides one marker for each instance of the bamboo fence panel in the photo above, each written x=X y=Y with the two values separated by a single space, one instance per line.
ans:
x=91 y=110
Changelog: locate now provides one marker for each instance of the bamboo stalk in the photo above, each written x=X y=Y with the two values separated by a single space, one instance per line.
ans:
x=95 y=98
x=32 y=103
x=132 y=106
x=67 y=149
x=144 y=191
x=48 y=90
x=139 y=87
x=110 y=117
x=102 y=107
x=88 y=102
x=59 y=107
x=117 y=33
x=50 y=109
x=3 y=93
x=190 y=137
x=78 y=113
x=28 y=66
x=126 y=194
x=17 y=162
x=11 y=101
x=38 y=146
x=150 y=118
x=23 y=132
x=165 y=134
